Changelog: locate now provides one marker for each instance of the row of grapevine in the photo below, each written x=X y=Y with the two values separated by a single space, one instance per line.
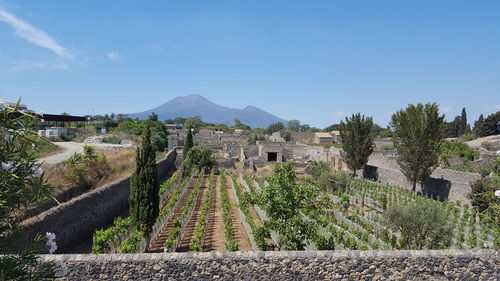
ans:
x=229 y=243
x=174 y=234
x=259 y=233
x=197 y=242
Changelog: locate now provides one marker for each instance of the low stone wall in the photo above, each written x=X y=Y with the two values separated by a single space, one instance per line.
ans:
x=303 y=265
x=76 y=220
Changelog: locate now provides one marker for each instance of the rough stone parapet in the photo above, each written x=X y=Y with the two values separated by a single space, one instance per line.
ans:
x=285 y=265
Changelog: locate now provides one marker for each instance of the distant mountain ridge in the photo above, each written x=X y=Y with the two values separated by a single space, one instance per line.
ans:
x=197 y=105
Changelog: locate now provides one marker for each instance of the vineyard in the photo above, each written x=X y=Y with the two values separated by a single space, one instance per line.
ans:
x=224 y=210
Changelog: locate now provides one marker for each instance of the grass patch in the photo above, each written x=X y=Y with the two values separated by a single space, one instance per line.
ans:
x=44 y=148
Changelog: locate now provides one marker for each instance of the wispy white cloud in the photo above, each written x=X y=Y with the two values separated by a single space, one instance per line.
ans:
x=340 y=114
x=444 y=109
x=115 y=56
x=36 y=36
x=40 y=66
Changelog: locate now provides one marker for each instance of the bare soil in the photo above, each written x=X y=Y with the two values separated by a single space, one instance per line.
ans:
x=239 y=233
x=189 y=230
x=214 y=232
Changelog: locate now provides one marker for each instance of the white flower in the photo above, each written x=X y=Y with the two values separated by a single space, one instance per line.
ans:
x=51 y=242
x=6 y=166
x=497 y=193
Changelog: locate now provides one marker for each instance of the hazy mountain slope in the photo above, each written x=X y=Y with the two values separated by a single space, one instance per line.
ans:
x=196 y=105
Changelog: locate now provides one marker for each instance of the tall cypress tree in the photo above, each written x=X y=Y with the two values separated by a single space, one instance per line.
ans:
x=144 y=198
x=463 y=123
x=188 y=144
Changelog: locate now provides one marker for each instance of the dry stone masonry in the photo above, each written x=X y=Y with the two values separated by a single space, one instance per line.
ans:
x=285 y=265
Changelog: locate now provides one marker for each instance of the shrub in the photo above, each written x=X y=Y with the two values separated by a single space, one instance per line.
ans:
x=316 y=168
x=199 y=158
x=421 y=223
x=448 y=148
x=112 y=140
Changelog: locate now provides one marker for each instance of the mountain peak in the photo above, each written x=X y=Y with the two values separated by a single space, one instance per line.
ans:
x=198 y=105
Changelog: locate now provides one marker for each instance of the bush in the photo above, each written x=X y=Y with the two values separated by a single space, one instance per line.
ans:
x=103 y=240
x=86 y=169
x=421 y=223
x=112 y=140
x=483 y=197
x=448 y=148
x=316 y=168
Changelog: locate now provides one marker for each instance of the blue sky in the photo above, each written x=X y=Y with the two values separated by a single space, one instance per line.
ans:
x=309 y=60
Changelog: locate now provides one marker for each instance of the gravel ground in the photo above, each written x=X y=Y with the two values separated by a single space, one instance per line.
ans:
x=70 y=148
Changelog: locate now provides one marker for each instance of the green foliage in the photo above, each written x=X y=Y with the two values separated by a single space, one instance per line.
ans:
x=112 y=140
x=27 y=265
x=357 y=141
x=132 y=243
x=285 y=200
x=168 y=184
x=336 y=183
x=260 y=234
x=316 y=168
x=144 y=189
x=43 y=147
x=240 y=126
x=448 y=148
x=422 y=224
x=387 y=147
x=192 y=122
x=188 y=143
x=174 y=234
x=294 y=125
x=103 y=240
x=457 y=127
x=158 y=130
x=489 y=146
x=255 y=137
x=230 y=244
x=203 y=216
x=200 y=158
x=483 y=197
x=275 y=127
x=488 y=126
x=417 y=135
x=21 y=187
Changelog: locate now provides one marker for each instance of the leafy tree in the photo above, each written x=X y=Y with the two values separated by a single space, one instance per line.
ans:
x=192 y=122
x=153 y=117
x=478 y=126
x=294 y=125
x=239 y=125
x=490 y=125
x=448 y=148
x=286 y=135
x=188 y=143
x=158 y=130
x=357 y=141
x=334 y=127
x=199 y=157
x=305 y=127
x=285 y=200
x=417 y=136
x=421 y=224
x=275 y=127
x=144 y=198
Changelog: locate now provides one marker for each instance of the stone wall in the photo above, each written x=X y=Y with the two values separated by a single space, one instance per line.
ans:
x=284 y=265
x=76 y=220
x=303 y=137
x=445 y=183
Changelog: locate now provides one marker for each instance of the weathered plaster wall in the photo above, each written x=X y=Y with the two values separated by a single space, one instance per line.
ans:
x=304 y=265
x=77 y=219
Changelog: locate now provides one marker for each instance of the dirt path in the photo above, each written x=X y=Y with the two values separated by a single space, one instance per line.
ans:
x=156 y=246
x=69 y=148
x=188 y=232
x=214 y=233
x=239 y=233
